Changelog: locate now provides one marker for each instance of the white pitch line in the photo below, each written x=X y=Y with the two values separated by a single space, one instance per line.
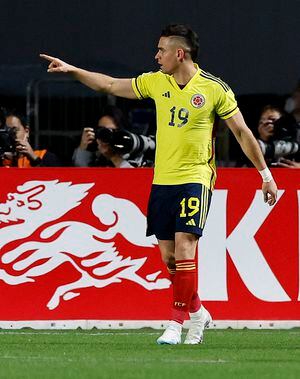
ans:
x=18 y=357
x=80 y=334
x=85 y=333
x=208 y=361
x=197 y=361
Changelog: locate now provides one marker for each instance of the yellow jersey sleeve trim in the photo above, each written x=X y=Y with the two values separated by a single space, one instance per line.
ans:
x=136 y=89
x=230 y=113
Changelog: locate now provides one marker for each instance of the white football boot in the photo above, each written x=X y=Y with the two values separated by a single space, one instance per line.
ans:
x=172 y=335
x=199 y=321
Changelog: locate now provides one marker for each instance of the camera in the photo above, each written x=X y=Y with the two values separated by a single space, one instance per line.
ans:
x=7 y=140
x=7 y=136
x=284 y=140
x=125 y=142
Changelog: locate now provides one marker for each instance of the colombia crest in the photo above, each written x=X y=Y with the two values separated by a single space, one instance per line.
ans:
x=198 y=100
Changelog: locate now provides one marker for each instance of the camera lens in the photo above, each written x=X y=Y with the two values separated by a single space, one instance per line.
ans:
x=104 y=134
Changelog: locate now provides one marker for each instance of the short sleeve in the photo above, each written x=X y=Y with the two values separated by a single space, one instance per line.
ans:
x=142 y=85
x=226 y=105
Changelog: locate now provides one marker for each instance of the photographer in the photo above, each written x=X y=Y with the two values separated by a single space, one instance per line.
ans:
x=292 y=106
x=115 y=146
x=15 y=148
x=278 y=137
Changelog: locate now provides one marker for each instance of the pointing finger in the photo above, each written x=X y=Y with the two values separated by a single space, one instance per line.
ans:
x=47 y=57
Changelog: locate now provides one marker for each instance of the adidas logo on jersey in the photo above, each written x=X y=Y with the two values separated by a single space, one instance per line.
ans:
x=191 y=222
x=167 y=94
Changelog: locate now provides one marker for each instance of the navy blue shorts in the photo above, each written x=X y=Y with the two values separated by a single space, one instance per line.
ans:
x=177 y=208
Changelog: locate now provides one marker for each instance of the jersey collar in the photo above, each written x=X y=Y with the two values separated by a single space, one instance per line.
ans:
x=175 y=84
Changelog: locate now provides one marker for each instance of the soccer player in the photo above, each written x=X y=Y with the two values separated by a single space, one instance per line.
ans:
x=187 y=99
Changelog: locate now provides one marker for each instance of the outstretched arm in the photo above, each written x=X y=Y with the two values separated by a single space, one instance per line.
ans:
x=252 y=150
x=96 y=81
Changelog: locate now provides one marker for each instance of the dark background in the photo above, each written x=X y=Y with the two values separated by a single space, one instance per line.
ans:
x=253 y=45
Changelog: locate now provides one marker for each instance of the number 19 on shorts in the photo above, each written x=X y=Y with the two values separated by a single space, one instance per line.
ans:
x=195 y=209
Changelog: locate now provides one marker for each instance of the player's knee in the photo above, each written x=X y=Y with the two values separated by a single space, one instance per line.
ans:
x=185 y=249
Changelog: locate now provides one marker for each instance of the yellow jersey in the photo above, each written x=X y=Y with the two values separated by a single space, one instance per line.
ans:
x=185 y=124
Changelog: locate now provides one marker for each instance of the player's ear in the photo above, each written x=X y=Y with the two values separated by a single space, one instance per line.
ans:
x=180 y=54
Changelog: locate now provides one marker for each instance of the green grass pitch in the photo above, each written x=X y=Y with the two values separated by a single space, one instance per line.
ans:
x=77 y=354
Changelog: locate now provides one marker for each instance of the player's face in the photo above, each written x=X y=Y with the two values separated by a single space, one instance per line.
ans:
x=167 y=56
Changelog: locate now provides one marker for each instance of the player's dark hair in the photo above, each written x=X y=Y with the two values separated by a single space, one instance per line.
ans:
x=184 y=31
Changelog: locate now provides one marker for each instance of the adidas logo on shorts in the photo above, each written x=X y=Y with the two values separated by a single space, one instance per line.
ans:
x=191 y=222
